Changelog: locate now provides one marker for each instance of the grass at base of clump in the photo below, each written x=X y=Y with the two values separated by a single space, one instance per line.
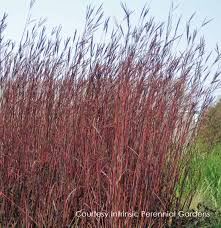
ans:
x=205 y=170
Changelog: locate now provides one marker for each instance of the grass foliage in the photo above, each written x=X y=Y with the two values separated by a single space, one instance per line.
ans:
x=99 y=126
x=207 y=195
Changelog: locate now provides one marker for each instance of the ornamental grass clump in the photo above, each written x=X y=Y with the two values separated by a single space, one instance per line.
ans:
x=99 y=126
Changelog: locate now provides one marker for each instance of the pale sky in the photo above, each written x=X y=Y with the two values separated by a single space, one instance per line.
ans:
x=70 y=14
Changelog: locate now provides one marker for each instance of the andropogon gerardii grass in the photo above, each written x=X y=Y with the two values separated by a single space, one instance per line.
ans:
x=99 y=126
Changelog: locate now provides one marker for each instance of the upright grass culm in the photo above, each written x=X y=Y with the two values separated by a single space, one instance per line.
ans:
x=99 y=126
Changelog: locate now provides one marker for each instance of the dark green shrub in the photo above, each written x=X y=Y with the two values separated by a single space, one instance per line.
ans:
x=210 y=131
